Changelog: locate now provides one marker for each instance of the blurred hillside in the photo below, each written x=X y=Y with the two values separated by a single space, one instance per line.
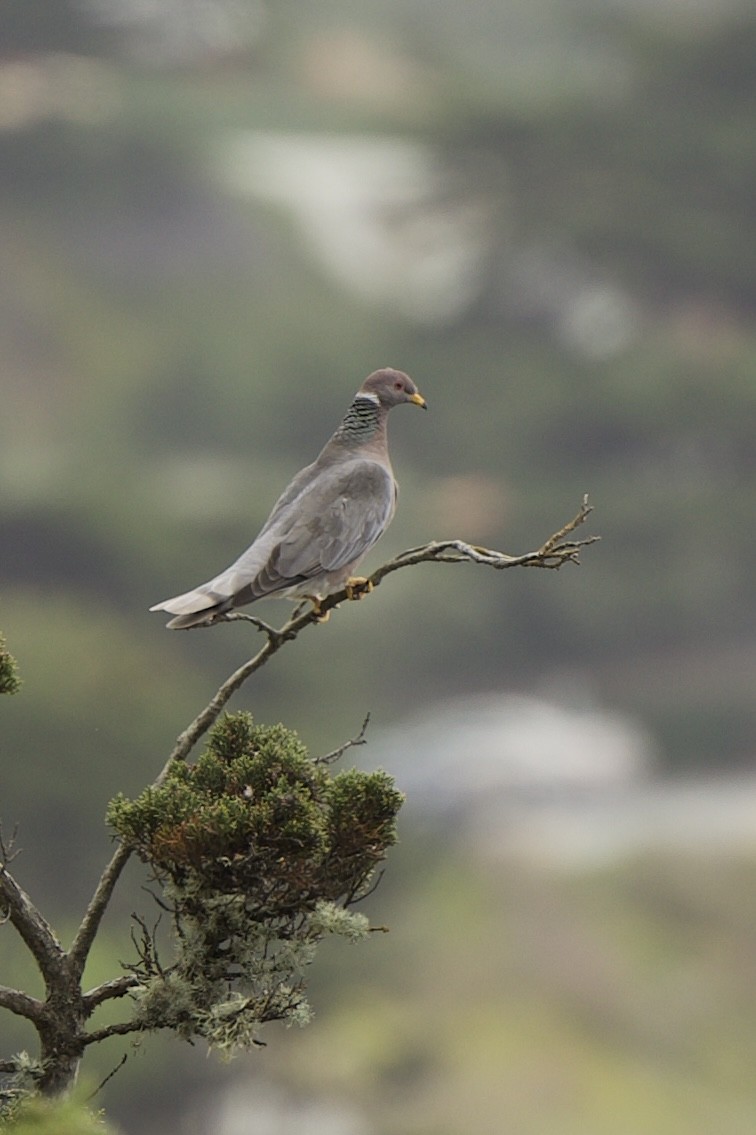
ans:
x=215 y=220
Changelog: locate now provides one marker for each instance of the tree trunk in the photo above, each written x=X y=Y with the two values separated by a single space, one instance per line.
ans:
x=61 y=1034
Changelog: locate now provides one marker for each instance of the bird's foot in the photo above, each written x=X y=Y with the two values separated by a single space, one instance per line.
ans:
x=315 y=608
x=357 y=587
x=321 y=615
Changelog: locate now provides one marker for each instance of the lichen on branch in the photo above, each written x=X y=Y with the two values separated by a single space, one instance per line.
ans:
x=259 y=852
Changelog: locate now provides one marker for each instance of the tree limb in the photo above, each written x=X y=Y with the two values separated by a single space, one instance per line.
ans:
x=121 y=1028
x=109 y=991
x=186 y=741
x=20 y=1003
x=93 y=916
x=34 y=930
x=62 y=972
x=555 y=552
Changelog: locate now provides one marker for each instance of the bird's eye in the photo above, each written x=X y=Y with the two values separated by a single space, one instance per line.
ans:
x=398 y=386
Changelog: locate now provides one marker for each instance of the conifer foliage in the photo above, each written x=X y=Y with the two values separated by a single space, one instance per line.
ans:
x=259 y=853
x=9 y=679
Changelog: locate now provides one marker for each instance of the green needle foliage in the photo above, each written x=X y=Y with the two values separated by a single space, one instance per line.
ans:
x=9 y=679
x=259 y=851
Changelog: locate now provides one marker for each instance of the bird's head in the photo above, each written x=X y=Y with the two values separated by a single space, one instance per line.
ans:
x=391 y=387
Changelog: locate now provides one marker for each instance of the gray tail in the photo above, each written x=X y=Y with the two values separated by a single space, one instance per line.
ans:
x=194 y=608
x=196 y=618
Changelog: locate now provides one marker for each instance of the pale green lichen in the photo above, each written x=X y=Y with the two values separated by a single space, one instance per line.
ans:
x=260 y=852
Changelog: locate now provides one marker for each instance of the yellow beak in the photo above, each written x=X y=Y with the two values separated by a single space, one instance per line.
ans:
x=418 y=400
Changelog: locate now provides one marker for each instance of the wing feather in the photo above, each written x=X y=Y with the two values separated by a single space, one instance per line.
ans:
x=338 y=522
x=317 y=527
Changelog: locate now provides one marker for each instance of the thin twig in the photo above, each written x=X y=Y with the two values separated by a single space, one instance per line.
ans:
x=360 y=739
x=244 y=616
x=146 y=948
x=553 y=541
x=109 y=1076
x=356 y=897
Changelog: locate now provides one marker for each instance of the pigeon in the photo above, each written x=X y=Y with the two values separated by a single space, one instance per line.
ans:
x=323 y=524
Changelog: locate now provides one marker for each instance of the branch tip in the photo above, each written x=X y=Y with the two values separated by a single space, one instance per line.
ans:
x=360 y=739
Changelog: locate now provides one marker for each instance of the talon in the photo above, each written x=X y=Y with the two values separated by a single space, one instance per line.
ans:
x=357 y=587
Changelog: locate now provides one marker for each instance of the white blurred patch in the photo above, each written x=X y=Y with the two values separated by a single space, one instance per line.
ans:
x=373 y=211
x=563 y=787
x=259 y=1108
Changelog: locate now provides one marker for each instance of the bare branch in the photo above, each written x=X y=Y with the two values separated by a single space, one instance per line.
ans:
x=555 y=552
x=360 y=739
x=186 y=741
x=20 y=1003
x=357 y=896
x=554 y=541
x=93 y=916
x=109 y=1077
x=35 y=931
x=146 y=947
x=272 y=632
x=109 y=991
x=120 y=1028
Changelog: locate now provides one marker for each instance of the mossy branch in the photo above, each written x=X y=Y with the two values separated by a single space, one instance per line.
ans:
x=259 y=850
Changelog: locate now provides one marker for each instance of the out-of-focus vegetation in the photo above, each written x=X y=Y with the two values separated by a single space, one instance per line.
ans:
x=41 y=1117
x=174 y=350
x=594 y=1003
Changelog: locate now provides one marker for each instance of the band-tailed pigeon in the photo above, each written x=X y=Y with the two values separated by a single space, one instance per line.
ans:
x=325 y=521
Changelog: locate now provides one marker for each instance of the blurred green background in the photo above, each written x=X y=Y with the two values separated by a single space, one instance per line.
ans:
x=216 y=218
